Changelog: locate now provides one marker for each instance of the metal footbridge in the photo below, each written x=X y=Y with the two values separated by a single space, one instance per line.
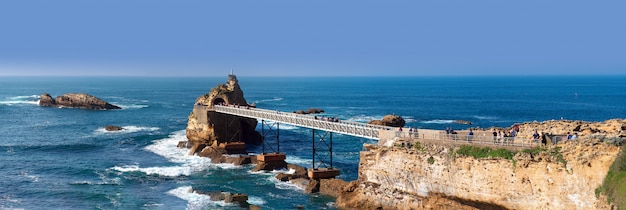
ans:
x=343 y=127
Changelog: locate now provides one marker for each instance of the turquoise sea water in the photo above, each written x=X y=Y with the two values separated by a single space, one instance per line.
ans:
x=63 y=159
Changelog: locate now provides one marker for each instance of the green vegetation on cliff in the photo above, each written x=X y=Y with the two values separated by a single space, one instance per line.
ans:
x=555 y=152
x=487 y=152
x=484 y=152
x=614 y=185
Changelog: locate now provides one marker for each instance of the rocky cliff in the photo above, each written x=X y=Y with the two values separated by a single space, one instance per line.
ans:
x=76 y=100
x=206 y=127
x=609 y=128
x=437 y=176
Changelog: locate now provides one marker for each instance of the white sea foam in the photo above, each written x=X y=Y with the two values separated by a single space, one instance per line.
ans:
x=33 y=178
x=284 y=185
x=26 y=97
x=438 y=121
x=132 y=106
x=128 y=129
x=167 y=148
x=152 y=204
x=254 y=200
x=195 y=200
x=298 y=161
x=268 y=100
x=281 y=126
x=31 y=99
x=409 y=119
x=8 y=199
x=285 y=171
x=485 y=117
x=171 y=171
x=288 y=127
x=91 y=183
x=364 y=118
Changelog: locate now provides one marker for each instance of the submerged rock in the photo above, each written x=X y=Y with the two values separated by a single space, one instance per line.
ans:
x=76 y=100
x=463 y=122
x=228 y=197
x=113 y=128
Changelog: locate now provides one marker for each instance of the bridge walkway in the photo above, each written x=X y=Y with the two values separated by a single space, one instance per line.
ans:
x=385 y=134
x=343 y=127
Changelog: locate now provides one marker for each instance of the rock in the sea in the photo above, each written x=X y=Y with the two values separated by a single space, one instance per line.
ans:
x=228 y=197
x=47 y=100
x=206 y=127
x=389 y=120
x=113 y=128
x=299 y=172
x=463 y=122
x=76 y=100
x=310 y=111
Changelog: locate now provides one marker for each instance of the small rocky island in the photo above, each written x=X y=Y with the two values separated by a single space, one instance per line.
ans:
x=389 y=120
x=76 y=100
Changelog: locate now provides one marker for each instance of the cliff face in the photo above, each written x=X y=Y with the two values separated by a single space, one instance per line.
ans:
x=434 y=177
x=76 y=100
x=205 y=127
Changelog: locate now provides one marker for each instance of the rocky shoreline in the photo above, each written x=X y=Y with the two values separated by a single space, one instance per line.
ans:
x=430 y=175
x=438 y=175
x=223 y=139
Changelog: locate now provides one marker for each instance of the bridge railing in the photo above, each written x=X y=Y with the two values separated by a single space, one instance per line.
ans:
x=344 y=127
x=462 y=137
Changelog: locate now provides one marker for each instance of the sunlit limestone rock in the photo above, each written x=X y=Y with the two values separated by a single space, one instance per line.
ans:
x=209 y=128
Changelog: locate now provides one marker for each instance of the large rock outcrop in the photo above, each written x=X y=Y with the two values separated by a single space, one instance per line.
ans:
x=434 y=176
x=209 y=128
x=76 y=100
x=389 y=120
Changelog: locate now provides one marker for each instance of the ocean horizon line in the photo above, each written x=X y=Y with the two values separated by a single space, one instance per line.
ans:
x=322 y=76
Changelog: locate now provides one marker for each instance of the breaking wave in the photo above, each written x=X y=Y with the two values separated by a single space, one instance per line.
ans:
x=484 y=117
x=364 y=118
x=132 y=106
x=16 y=100
x=268 y=100
x=195 y=200
x=128 y=129
x=167 y=148
x=438 y=121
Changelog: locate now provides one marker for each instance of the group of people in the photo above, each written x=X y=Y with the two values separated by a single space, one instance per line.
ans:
x=329 y=119
x=412 y=132
x=504 y=137
x=572 y=137
x=234 y=105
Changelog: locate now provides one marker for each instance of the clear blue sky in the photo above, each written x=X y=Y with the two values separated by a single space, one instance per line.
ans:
x=326 y=38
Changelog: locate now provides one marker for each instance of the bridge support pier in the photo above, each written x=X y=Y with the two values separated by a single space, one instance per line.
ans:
x=270 y=158
x=322 y=150
x=232 y=144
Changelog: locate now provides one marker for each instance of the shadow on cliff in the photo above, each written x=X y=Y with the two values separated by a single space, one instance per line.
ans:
x=478 y=204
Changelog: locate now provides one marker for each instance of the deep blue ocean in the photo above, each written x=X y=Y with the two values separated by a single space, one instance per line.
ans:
x=57 y=158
